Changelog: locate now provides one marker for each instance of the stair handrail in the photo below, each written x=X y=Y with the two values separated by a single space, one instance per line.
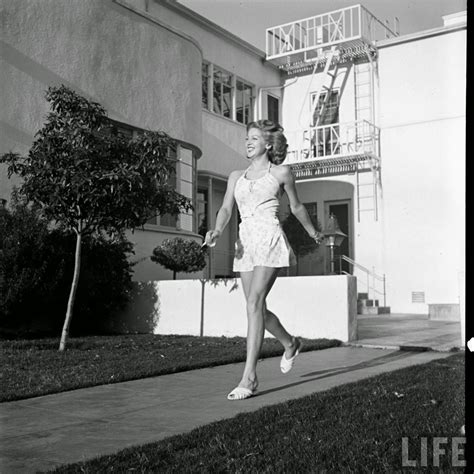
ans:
x=369 y=273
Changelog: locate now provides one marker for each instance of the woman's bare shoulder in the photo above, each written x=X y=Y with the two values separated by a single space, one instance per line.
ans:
x=236 y=174
x=282 y=172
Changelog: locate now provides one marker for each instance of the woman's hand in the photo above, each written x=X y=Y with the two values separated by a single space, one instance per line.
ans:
x=211 y=238
x=318 y=237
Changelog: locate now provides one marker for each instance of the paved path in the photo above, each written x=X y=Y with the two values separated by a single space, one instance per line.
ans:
x=408 y=330
x=44 y=432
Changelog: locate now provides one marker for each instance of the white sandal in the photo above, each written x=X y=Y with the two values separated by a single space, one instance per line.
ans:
x=287 y=364
x=241 y=393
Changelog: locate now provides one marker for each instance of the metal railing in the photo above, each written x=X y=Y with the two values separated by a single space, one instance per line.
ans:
x=329 y=141
x=321 y=31
x=369 y=278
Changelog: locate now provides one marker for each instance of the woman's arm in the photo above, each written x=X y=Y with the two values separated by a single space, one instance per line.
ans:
x=225 y=211
x=298 y=209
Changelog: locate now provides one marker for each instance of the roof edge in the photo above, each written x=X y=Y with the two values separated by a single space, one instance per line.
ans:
x=211 y=26
x=154 y=20
x=441 y=30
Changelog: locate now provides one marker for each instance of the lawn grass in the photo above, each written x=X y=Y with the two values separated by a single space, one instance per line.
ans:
x=31 y=368
x=356 y=427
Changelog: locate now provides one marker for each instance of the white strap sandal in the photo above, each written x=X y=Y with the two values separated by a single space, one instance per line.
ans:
x=287 y=364
x=241 y=393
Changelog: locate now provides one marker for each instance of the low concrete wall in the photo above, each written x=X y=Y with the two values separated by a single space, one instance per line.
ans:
x=443 y=312
x=311 y=306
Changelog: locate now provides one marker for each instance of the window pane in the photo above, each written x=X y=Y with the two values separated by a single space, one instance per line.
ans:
x=226 y=101
x=244 y=102
x=217 y=99
x=205 y=77
x=202 y=211
x=331 y=111
x=239 y=102
x=186 y=185
x=248 y=104
x=169 y=220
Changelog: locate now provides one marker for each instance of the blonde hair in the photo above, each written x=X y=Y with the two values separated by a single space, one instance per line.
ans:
x=273 y=134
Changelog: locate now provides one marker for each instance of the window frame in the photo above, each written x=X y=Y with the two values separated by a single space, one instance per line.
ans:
x=251 y=104
x=231 y=91
x=212 y=99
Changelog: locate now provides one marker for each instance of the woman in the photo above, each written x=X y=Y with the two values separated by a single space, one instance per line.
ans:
x=262 y=248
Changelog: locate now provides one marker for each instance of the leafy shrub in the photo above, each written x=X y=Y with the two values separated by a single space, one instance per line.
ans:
x=180 y=255
x=36 y=269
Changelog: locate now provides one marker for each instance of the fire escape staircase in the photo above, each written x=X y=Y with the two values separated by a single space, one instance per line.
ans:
x=325 y=44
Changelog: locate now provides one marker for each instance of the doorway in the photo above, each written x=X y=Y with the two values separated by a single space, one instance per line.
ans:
x=342 y=209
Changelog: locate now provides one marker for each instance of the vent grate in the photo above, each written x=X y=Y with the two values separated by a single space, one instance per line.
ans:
x=417 y=296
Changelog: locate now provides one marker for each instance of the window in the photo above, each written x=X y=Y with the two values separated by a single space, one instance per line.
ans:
x=168 y=220
x=205 y=83
x=186 y=184
x=244 y=102
x=202 y=211
x=231 y=97
x=330 y=114
x=222 y=86
x=182 y=179
x=325 y=139
x=273 y=109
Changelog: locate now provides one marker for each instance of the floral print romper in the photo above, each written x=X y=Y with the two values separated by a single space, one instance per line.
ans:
x=262 y=241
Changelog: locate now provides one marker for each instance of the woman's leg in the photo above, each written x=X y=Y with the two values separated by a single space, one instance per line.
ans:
x=272 y=323
x=261 y=282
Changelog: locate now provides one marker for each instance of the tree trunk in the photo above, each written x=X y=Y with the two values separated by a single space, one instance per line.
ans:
x=174 y=275
x=72 y=293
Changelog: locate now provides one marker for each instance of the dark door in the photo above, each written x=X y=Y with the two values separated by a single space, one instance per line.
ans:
x=341 y=211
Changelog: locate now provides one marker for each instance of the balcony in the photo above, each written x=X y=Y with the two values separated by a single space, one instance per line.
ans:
x=353 y=29
x=335 y=149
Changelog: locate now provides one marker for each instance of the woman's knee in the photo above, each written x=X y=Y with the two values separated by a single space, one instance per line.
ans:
x=255 y=303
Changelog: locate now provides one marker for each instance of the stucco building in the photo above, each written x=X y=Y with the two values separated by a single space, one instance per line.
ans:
x=375 y=123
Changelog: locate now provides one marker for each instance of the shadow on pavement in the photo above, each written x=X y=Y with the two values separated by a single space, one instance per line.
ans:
x=325 y=373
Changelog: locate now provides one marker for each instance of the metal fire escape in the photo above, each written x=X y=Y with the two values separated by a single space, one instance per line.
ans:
x=330 y=46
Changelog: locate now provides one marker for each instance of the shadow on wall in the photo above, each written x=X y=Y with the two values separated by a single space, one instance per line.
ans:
x=141 y=314
x=44 y=75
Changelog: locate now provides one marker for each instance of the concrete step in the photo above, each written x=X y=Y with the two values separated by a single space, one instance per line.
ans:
x=374 y=310
x=369 y=302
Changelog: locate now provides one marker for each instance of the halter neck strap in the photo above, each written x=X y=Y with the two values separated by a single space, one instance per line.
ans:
x=268 y=169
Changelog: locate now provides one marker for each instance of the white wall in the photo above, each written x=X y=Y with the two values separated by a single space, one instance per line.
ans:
x=109 y=54
x=422 y=116
x=312 y=307
x=418 y=239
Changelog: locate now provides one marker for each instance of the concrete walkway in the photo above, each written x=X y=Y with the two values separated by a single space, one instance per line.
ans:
x=45 y=432
x=408 y=331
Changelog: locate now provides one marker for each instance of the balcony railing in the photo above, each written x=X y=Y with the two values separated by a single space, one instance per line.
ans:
x=322 y=31
x=359 y=138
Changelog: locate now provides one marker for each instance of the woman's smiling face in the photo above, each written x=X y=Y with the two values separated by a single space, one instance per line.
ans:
x=255 y=143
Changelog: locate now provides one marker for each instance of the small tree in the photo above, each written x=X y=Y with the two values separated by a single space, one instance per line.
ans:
x=180 y=255
x=301 y=243
x=89 y=180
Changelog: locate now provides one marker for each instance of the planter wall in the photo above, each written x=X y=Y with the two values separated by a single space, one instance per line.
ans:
x=310 y=306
